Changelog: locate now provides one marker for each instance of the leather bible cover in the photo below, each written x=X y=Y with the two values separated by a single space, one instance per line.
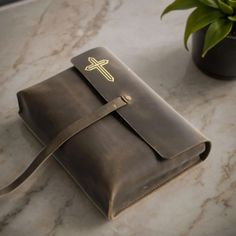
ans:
x=127 y=154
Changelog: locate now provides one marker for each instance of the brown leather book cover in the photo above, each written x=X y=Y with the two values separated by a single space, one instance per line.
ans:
x=128 y=153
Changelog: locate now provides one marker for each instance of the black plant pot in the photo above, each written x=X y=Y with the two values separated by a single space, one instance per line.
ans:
x=220 y=61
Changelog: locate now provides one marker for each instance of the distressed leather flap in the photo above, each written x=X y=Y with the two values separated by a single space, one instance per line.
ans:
x=153 y=119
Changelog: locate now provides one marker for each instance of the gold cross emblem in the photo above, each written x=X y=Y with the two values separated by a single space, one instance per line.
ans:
x=99 y=66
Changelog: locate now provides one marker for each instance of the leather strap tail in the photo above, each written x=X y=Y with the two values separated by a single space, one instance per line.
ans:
x=62 y=137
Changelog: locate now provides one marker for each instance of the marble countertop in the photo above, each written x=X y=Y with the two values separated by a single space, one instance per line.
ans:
x=37 y=40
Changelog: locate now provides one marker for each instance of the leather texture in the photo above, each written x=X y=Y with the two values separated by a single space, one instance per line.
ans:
x=148 y=114
x=127 y=154
x=63 y=136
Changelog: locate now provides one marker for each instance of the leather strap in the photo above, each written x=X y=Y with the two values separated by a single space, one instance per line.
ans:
x=62 y=137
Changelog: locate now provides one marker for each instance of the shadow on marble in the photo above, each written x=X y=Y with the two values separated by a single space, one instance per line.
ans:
x=173 y=75
x=175 y=70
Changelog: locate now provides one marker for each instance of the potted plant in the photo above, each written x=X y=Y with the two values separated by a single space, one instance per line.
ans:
x=212 y=24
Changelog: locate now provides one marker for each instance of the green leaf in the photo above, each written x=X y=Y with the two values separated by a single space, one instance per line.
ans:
x=200 y=17
x=181 y=5
x=232 y=18
x=232 y=3
x=210 y=3
x=227 y=9
x=216 y=32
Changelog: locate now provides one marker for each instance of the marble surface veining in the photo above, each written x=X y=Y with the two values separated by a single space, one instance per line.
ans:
x=37 y=40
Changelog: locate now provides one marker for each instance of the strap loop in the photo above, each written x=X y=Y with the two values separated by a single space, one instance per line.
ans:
x=62 y=137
